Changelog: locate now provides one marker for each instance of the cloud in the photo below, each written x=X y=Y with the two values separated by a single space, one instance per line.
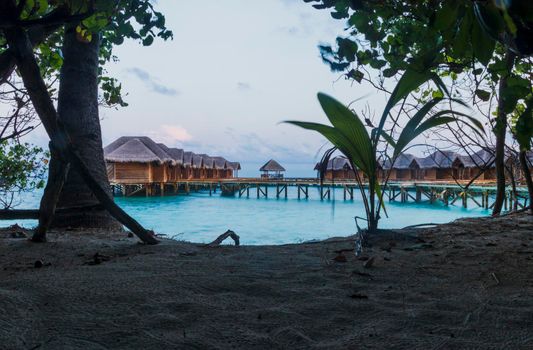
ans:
x=171 y=135
x=250 y=147
x=152 y=83
x=243 y=86
x=176 y=132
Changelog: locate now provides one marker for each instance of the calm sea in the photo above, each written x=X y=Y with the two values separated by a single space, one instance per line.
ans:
x=201 y=218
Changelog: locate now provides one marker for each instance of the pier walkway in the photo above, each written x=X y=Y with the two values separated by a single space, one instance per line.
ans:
x=480 y=195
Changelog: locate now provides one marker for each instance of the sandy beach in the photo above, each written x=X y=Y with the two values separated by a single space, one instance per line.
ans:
x=464 y=285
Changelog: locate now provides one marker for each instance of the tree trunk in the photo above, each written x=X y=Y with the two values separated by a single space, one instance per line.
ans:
x=500 y=130
x=527 y=176
x=78 y=114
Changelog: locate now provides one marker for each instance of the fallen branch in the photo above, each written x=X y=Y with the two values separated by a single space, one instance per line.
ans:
x=223 y=237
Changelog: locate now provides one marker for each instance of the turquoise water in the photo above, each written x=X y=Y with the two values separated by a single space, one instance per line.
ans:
x=201 y=218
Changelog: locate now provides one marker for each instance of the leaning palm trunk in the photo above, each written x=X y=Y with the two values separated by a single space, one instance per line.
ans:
x=349 y=135
x=78 y=113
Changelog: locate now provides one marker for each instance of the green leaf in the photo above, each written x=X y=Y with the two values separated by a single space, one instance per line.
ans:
x=446 y=16
x=482 y=44
x=347 y=49
x=356 y=75
x=483 y=95
x=148 y=40
x=524 y=126
x=351 y=126
x=489 y=18
x=337 y=138
x=409 y=81
x=437 y=94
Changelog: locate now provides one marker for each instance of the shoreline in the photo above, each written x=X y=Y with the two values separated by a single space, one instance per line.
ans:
x=465 y=284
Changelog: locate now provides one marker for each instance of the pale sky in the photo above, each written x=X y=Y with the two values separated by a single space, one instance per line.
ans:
x=234 y=70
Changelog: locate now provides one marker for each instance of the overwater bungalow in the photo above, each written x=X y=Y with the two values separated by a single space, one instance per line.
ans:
x=234 y=167
x=437 y=166
x=338 y=168
x=469 y=166
x=197 y=166
x=401 y=170
x=221 y=169
x=272 y=170
x=208 y=168
x=175 y=168
x=136 y=160
x=139 y=160
x=187 y=164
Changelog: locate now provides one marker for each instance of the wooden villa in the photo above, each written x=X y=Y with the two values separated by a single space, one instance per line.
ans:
x=272 y=170
x=480 y=162
x=436 y=166
x=134 y=160
x=401 y=170
x=440 y=166
x=138 y=160
x=234 y=168
x=338 y=168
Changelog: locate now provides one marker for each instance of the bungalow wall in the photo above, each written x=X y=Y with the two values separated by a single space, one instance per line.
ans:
x=464 y=173
x=488 y=174
x=433 y=174
x=131 y=173
x=417 y=174
x=400 y=175
x=110 y=169
x=403 y=174
x=159 y=173
x=339 y=175
x=195 y=173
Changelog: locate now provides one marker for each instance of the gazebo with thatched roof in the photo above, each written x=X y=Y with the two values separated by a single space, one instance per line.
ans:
x=272 y=170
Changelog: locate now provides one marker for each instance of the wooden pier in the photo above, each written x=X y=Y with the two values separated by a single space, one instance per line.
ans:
x=447 y=193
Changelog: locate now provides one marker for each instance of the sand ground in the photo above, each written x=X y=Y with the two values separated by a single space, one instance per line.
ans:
x=465 y=285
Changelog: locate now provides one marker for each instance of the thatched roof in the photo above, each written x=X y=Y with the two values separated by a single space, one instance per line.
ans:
x=176 y=154
x=272 y=165
x=138 y=149
x=187 y=159
x=480 y=159
x=142 y=149
x=208 y=162
x=220 y=163
x=403 y=161
x=234 y=165
x=197 y=161
x=438 y=159
x=337 y=163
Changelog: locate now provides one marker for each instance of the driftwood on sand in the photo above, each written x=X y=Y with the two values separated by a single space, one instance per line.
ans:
x=223 y=237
